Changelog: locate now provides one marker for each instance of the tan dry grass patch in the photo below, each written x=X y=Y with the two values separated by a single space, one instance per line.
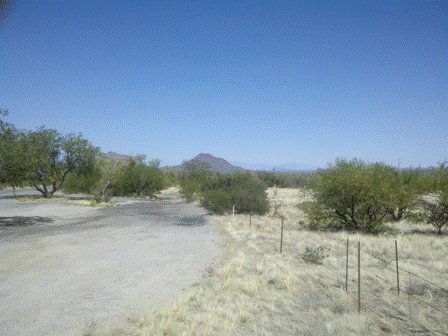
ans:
x=39 y=199
x=257 y=291
x=95 y=204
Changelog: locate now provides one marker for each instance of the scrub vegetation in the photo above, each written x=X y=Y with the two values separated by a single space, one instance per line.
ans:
x=218 y=193
x=50 y=161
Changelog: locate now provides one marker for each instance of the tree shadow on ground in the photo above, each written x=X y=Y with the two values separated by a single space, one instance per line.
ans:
x=31 y=196
x=195 y=220
x=428 y=232
x=76 y=197
x=23 y=221
x=18 y=196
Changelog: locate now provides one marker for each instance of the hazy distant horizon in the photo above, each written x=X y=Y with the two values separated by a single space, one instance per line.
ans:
x=291 y=166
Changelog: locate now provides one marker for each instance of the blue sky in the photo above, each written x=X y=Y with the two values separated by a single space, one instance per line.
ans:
x=255 y=82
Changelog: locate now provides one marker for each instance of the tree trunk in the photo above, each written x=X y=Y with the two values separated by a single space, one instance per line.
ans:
x=399 y=215
x=43 y=190
x=100 y=196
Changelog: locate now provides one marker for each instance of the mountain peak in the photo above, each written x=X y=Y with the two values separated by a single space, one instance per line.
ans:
x=205 y=156
x=216 y=164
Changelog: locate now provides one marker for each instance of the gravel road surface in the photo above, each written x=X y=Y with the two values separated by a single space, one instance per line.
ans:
x=66 y=269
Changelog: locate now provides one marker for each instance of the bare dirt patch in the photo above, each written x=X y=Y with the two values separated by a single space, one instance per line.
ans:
x=97 y=268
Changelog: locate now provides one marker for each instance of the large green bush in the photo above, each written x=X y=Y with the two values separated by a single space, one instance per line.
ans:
x=138 y=179
x=217 y=201
x=357 y=196
x=76 y=183
x=250 y=196
x=244 y=190
x=194 y=179
x=98 y=181
x=219 y=192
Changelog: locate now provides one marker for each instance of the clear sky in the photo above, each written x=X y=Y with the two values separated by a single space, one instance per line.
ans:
x=255 y=82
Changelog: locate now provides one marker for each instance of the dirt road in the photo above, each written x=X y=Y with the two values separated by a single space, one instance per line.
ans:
x=66 y=267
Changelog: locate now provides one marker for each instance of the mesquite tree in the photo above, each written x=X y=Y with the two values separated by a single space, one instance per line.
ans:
x=12 y=169
x=437 y=206
x=437 y=212
x=138 y=179
x=51 y=156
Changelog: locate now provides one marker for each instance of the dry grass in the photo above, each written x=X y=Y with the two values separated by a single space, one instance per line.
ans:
x=95 y=204
x=40 y=199
x=257 y=291
x=59 y=199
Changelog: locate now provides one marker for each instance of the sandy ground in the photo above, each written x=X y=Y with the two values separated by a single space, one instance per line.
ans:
x=67 y=269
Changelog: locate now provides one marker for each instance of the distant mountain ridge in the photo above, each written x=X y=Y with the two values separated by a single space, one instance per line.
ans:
x=117 y=156
x=287 y=168
x=221 y=165
x=218 y=165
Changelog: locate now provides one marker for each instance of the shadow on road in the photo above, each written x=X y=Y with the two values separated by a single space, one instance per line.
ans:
x=17 y=197
x=23 y=221
x=195 y=220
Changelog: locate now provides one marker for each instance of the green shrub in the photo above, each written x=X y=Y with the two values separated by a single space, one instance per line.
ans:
x=438 y=212
x=358 y=196
x=317 y=216
x=76 y=183
x=190 y=190
x=170 y=178
x=138 y=179
x=248 y=192
x=417 y=217
x=404 y=189
x=315 y=255
x=436 y=208
x=352 y=195
x=217 y=201
x=219 y=192
x=250 y=199
x=98 y=181
x=193 y=180
x=13 y=161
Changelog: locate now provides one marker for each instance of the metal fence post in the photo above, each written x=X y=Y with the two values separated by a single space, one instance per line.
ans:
x=346 y=270
x=409 y=300
x=396 y=264
x=359 y=276
x=281 y=236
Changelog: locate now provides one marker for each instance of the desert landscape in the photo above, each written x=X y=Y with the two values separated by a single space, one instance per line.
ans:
x=164 y=267
x=258 y=291
x=222 y=168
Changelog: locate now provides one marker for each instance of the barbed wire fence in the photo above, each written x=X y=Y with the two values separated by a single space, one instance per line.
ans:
x=410 y=302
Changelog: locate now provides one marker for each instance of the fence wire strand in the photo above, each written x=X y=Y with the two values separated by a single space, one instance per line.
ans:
x=390 y=268
x=401 y=315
